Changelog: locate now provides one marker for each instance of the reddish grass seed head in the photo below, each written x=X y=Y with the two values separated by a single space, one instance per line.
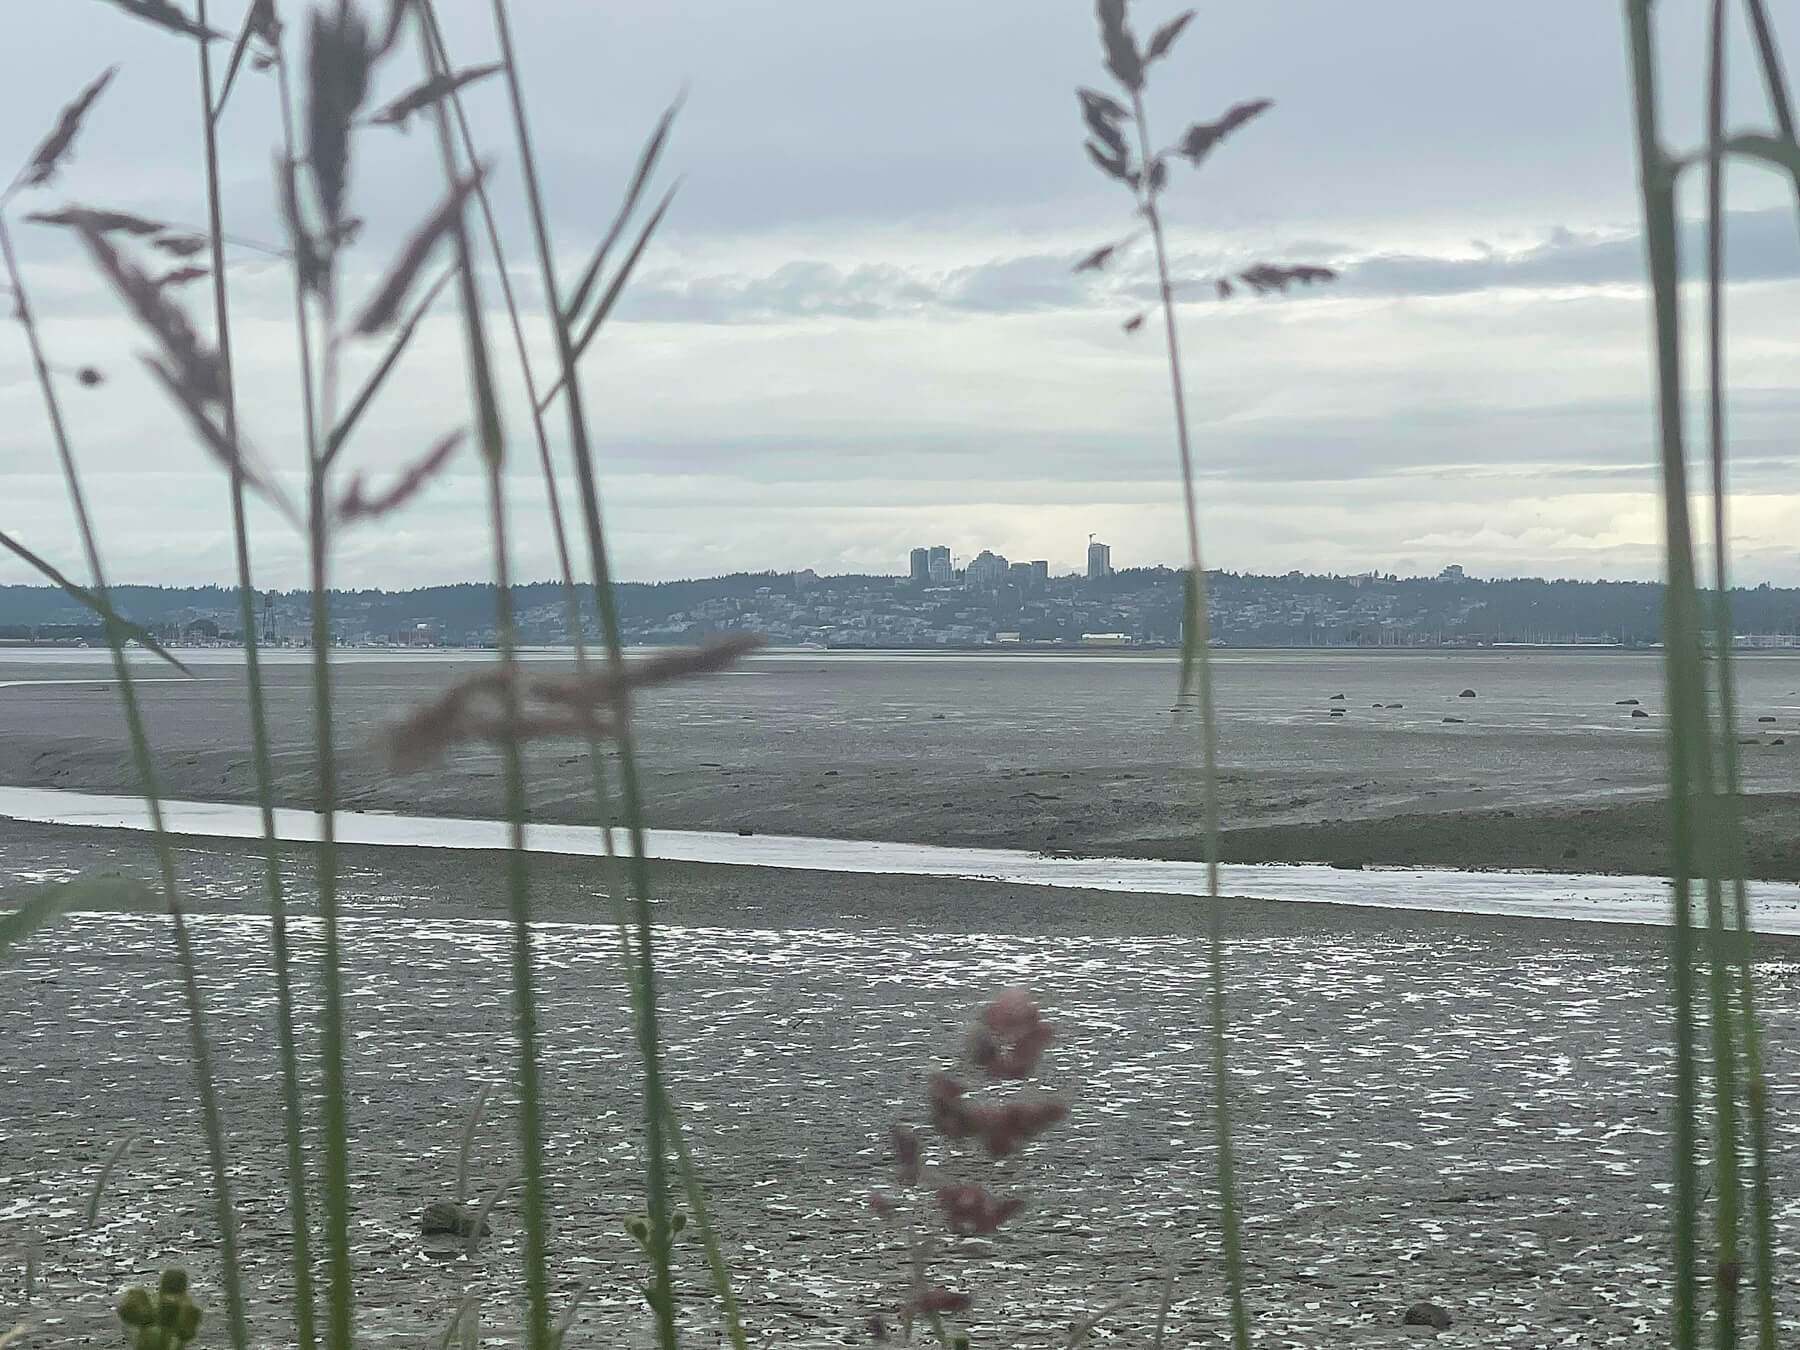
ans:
x=970 y=1210
x=1010 y=1037
x=1004 y=1130
x=906 y=1153
x=950 y=1114
x=942 y=1301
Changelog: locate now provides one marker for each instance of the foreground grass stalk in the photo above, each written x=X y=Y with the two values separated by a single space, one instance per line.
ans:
x=573 y=618
x=1755 y=1086
x=559 y=534
x=336 y=1116
x=331 y=1030
x=524 y=993
x=1768 y=57
x=1723 y=946
x=617 y=885
x=649 y=1046
x=1688 y=717
x=1229 y=1223
x=212 y=1120
x=305 y=1319
x=1739 y=955
x=513 y=778
x=730 y=1313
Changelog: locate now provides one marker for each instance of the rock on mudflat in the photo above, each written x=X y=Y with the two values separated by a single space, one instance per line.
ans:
x=446 y=1218
x=1426 y=1315
x=1626 y=703
x=1467 y=693
x=1639 y=712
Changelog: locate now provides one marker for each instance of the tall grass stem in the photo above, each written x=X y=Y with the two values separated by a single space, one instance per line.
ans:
x=650 y=1050
x=205 y=1086
x=281 y=959
x=1229 y=1224
x=524 y=992
x=1681 y=652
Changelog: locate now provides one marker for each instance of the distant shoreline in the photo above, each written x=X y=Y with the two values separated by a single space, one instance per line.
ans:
x=51 y=651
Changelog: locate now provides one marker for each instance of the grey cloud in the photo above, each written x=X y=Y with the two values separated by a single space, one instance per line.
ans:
x=1759 y=246
x=814 y=289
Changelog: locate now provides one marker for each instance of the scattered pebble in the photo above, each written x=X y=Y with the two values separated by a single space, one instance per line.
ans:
x=1427 y=1315
x=447 y=1218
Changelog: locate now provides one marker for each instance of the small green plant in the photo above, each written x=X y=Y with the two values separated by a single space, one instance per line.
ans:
x=165 y=1320
x=657 y=1239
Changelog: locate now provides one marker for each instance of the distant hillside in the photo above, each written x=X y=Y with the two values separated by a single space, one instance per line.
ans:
x=1135 y=606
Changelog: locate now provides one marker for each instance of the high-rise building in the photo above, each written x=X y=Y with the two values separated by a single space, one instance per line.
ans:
x=937 y=565
x=1040 y=571
x=1099 y=560
x=988 y=569
x=921 y=566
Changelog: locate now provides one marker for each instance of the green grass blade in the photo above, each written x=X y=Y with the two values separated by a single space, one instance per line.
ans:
x=622 y=278
x=720 y=1269
x=1682 y=647
x=1197 y=671
x=1723 y=945
x=631 y=804
x=205 y=1085
x=116 y=1155
x=524 y=993
x=640 y=178
x=34 y=907
x=274 y=887
x=396 y=347
x=95 y=604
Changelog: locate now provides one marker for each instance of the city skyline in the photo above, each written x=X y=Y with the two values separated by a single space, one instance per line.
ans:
x=1380 y=570
x=1133 y=608
x=821 y=368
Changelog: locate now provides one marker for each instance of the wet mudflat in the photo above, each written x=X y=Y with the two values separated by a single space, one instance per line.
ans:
x=1090 y=754
x=1462 y=1110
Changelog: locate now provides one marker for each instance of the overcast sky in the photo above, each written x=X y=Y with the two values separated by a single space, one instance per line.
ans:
x=859 y=330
